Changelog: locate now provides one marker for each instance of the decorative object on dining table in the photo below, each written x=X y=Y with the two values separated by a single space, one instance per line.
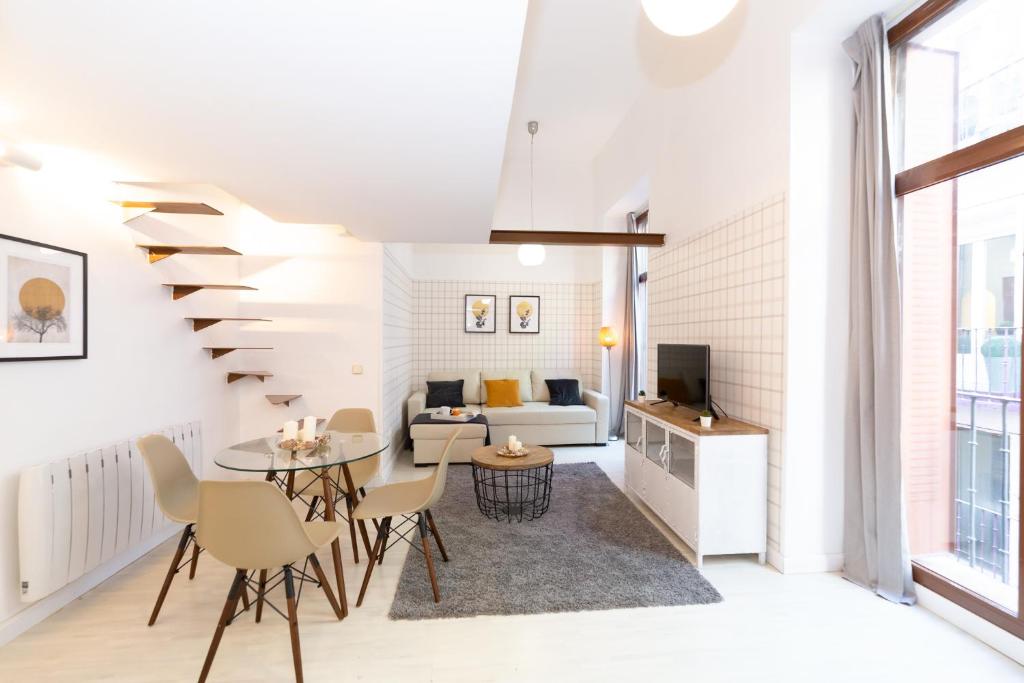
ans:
x=296 y=445
x=290 y=432
x=308 y=431
x=43 y=301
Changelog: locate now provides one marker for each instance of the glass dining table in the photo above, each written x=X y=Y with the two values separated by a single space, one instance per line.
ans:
x=280 y=465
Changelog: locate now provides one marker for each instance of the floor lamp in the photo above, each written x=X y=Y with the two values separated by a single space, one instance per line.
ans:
x=609 y=338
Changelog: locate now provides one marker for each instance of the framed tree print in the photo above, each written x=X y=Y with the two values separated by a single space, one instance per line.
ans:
x=479 y=313
x=523 y=314
x=43 y=301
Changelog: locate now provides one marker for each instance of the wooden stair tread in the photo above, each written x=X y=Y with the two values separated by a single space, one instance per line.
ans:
x=235 y=375
x=158 y=252
x=179 y=290
x=203 y=323
x=282 y=399
x=197 y=208
x=218 y=351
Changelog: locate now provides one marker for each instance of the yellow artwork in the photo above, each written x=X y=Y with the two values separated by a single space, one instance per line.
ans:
x=479 y=313
x=523 y=314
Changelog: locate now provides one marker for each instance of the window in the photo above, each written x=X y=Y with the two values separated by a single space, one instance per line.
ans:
x=958 y=71
x=641 y=308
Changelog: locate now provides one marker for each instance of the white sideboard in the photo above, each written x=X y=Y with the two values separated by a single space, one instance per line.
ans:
x=710 y=486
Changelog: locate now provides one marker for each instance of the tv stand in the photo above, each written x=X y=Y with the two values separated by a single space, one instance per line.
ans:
x=709 y=485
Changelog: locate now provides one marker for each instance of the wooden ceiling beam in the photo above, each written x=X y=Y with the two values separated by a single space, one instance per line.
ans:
x=578 y=238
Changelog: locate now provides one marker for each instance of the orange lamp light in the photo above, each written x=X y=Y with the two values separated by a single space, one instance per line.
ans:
x=608 y=337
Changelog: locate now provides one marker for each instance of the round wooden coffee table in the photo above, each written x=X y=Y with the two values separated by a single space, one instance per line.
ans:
x=513 y=488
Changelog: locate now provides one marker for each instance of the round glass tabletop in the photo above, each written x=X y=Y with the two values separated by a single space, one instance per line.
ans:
x=263 y=455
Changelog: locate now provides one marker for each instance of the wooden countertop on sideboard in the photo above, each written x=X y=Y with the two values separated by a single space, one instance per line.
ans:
x=682 y=418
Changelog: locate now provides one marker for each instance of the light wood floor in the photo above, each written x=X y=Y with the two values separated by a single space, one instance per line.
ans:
x=770 y=627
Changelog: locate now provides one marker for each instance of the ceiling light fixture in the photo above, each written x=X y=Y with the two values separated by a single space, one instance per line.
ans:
x=686 y=17
x=531 y=254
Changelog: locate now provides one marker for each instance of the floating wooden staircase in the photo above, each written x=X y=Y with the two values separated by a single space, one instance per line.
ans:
x=181 y=290
x=158 y=252
x=235 y=375
x=282 y=399
x=202 y=323
x=218 y=351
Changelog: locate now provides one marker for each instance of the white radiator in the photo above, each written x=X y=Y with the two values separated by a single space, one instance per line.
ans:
x=77 y=513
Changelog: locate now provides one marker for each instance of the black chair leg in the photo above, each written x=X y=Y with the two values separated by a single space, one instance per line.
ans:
x=171 y=571
x=293 y=621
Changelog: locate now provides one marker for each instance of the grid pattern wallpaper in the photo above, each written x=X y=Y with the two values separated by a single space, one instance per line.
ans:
x=568 y=329
x=726 y=287
x=397 y=336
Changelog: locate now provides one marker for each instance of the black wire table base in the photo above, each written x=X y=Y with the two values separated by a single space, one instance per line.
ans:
x=513 y=495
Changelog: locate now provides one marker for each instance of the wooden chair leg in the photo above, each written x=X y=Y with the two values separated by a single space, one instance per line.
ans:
x=429 y=557
x=312 y=508
x=322 y=578
x=437 y=535
x=352 y=530
x=195 y=559
x=293 y=622
x=171 y=571
x=225 y=615
x=260 y=593
x=385 y=530
x=372 y=560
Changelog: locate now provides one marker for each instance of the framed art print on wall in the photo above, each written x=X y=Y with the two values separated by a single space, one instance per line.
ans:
x=479 y=313
x=523 y=314
x=43 y=301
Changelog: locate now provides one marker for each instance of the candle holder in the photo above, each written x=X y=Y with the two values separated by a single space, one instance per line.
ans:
x=507 y=452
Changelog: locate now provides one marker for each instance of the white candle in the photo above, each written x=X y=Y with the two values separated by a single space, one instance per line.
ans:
x=519 y=445
x=308 y=428
x=291 y=430
x=511 y=442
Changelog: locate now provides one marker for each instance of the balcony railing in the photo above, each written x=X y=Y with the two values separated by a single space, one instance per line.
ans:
x=988 y=402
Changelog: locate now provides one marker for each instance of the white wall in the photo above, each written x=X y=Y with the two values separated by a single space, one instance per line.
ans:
x=323 y=291
x=146 y=368
x=397 y=339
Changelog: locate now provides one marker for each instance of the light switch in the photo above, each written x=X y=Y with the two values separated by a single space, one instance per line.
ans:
x=357 y=369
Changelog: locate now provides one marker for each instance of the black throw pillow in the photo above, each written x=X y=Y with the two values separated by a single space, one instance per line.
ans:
x=564 y=392
x=445 y=394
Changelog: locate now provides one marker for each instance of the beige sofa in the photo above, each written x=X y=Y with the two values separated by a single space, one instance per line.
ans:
x=535 y=422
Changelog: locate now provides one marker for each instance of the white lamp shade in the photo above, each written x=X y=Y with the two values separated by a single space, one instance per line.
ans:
x=531 y=254
x=686 y=17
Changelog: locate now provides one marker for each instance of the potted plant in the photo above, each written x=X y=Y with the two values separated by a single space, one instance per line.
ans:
x=705 y=419
x=642 y=397
x=1002 y=362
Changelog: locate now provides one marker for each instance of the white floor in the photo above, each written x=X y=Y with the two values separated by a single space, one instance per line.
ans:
x=770 y=627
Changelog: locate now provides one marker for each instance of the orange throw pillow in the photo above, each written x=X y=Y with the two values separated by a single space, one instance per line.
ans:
x=502 y=393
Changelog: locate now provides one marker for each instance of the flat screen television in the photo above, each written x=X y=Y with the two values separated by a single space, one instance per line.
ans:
x=684 y=375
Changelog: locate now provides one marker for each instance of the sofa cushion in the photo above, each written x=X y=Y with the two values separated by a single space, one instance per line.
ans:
x=445 y=393
x=537 y=413
x=525 y=384
x=540 y=387
x=470 y=386
x=502 y=393
x=564 y=392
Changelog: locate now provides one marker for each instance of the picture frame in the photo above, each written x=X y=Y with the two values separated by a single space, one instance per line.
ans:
x=479 y=313
x=44 y=301
x=523 y=314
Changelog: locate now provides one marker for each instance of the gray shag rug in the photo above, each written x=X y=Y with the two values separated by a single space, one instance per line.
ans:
x=592 y=550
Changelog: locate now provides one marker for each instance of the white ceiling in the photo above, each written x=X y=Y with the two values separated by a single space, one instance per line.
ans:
x=581 y=70
x=388 y=117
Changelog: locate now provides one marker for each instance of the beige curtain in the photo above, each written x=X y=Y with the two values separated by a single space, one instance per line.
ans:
x=630 y=384
x=875 y=540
